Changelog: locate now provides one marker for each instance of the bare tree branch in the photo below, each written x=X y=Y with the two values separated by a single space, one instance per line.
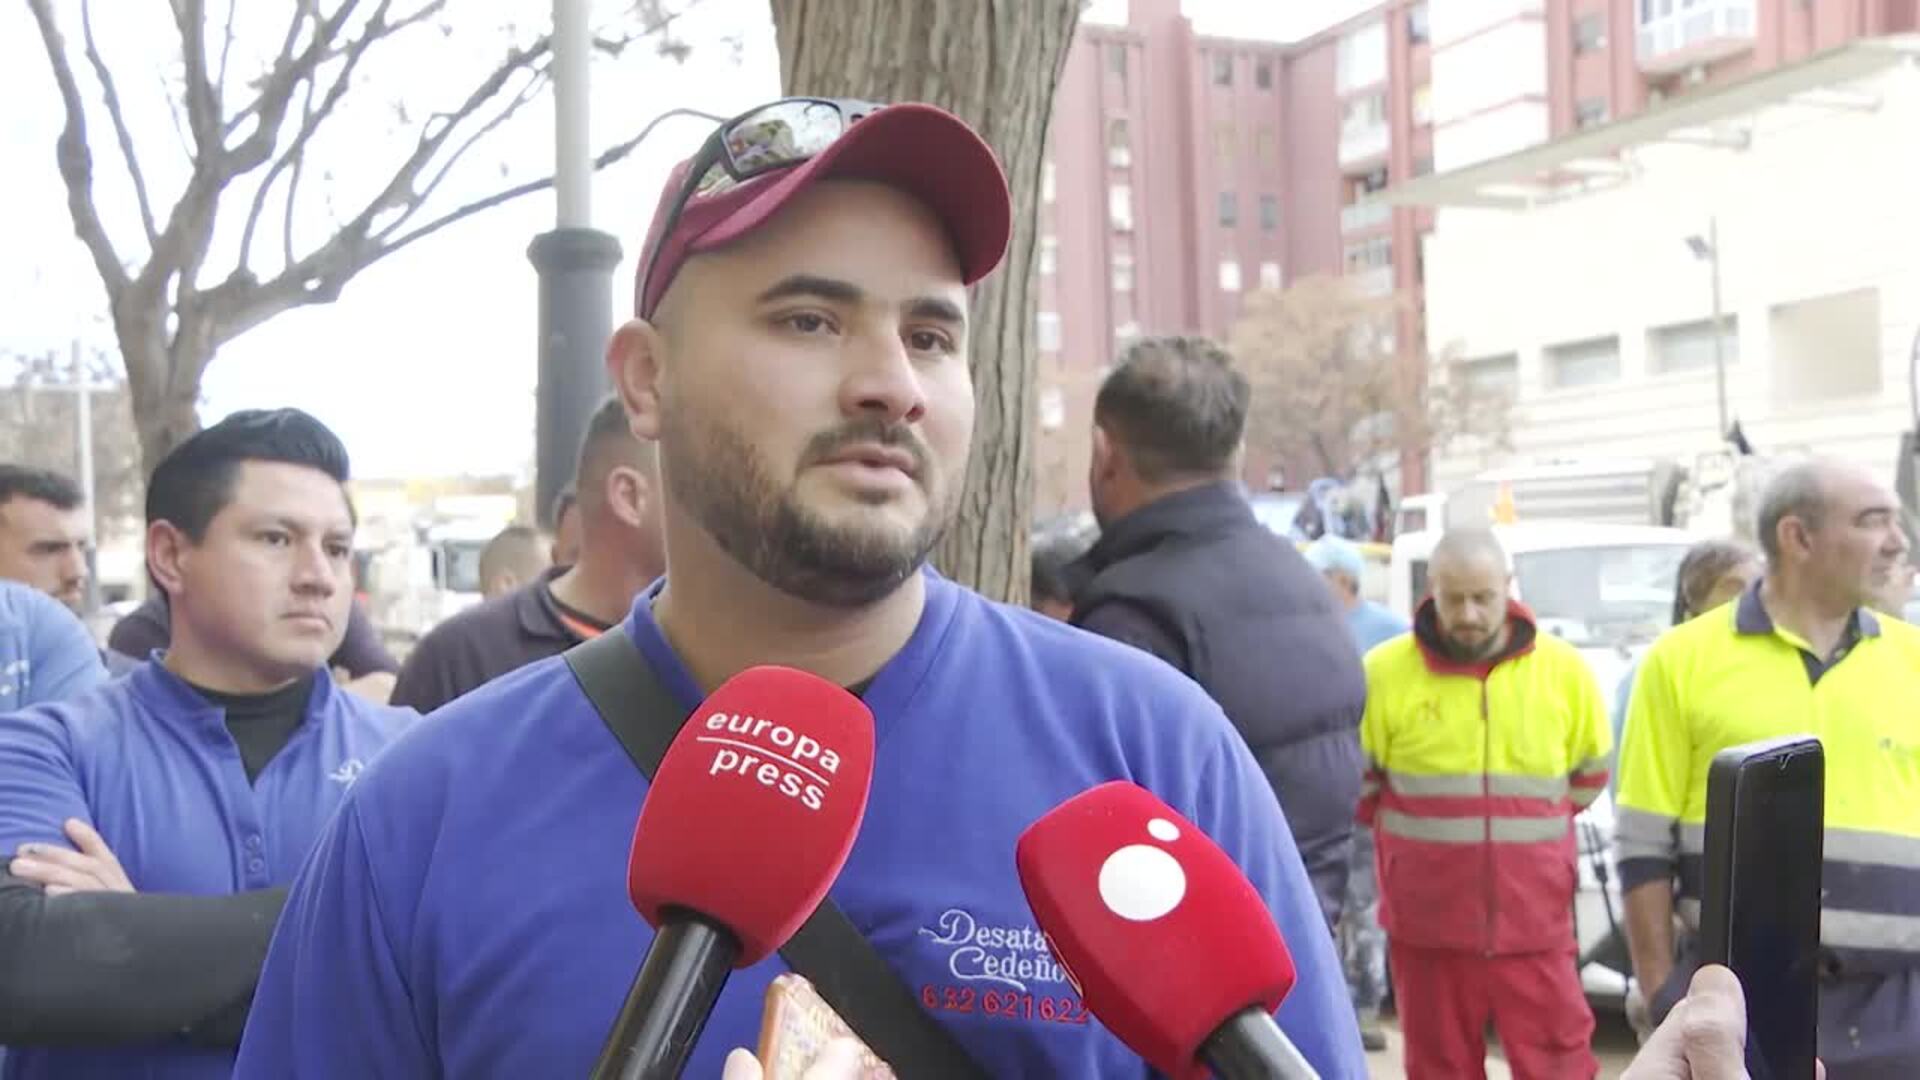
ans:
x=123 y=136
x=203 y=108
x=310 y=122
x=607 y=157
x=535 y=83
x=76 y=160
x=226 y=50
x=271 y=108
x=302 y=11
x=298 y=156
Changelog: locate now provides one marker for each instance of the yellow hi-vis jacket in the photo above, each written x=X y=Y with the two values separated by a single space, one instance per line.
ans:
x=1474 y=775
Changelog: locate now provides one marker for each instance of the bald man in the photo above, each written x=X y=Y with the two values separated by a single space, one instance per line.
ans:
x=1483 y=738
x=514 y=557
x=1799 y=651
x=621 y=553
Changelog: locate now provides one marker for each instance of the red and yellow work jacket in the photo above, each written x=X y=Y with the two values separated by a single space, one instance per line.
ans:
x=1474 y=774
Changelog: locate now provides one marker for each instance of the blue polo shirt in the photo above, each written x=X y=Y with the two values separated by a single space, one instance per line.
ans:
x=45 y=653
x=150 y=764
x=466 y=913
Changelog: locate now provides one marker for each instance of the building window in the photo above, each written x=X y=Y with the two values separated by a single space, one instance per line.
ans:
x=1360 y=60
x=1229 y=209
x=1369 y=254
x=1223 y=143
x=1117 y=62
x=1053 y=408
x=1269 y=213
x=1270 y=276
x=1365 y=113
x=1418 y=32
x=1423 y=104
x=1120 y=207
x=1589 y=112
x=1689 y=346
x=1590 y=32
x=1229 y=275
x=1263 y=73
x=1223 y=69
x=1265 y=146
x=1584 y=363
x=1493 y=374
x=1049 y=255
x=1046 y=181
x=1047 y=327
x=1119 y=151
x=1123 y=271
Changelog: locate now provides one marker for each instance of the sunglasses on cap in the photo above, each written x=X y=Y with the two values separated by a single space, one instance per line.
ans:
x=774 y=136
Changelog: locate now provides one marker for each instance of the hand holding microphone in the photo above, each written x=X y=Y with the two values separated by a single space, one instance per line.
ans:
x=1168 y=943
x=747 y=822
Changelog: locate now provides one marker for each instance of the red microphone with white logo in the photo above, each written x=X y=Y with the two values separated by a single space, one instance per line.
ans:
x=748 y=820
x=1167 y=941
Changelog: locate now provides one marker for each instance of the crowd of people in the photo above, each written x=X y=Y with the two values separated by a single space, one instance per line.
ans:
x=240 y=839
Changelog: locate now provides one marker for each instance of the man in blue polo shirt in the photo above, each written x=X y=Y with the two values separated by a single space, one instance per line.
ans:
x=800 y=357
x=201 y=779
x=45 y=653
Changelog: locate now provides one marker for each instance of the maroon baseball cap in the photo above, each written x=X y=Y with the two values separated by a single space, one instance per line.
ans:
x=927 y=152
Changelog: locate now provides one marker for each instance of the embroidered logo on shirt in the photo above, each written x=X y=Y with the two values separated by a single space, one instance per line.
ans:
x=1022 y=980
x=348 y=772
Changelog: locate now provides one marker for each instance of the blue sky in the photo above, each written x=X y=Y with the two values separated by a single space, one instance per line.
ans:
x=425 y=366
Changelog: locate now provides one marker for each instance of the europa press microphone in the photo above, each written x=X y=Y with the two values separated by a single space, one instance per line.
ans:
x=1167 y=941
x=748 y=820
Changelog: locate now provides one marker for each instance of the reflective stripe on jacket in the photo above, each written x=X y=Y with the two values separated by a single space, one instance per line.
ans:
x=1474 y=775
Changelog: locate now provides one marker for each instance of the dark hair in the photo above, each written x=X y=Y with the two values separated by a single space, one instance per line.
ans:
x=1704 y=564
x=1177 y=405
x=563 y=502
x=41 y=485
x=194 y=482
x=1799 y=490
x=607 y=432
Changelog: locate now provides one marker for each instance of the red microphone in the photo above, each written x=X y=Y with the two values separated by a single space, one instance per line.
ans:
x=748 y=820
x=1166 y=940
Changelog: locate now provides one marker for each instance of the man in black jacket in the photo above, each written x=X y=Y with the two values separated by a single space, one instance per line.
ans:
x=1184 y=571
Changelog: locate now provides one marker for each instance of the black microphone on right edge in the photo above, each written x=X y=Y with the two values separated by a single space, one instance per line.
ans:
x=1166 y=940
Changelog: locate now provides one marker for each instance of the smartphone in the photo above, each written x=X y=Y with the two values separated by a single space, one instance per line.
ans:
x=797 y=1024
x=1760 y=903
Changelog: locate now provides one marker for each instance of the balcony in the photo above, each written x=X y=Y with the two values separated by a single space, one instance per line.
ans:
x=1358 y=144
x=1699 y=33
x=1375 y=282
x=1364 y=215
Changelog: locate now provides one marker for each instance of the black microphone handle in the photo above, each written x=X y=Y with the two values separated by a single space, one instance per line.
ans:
x=679 y=981
x=1250 y=1046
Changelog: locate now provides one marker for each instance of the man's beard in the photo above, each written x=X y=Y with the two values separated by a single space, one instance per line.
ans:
x=1481 y=648
x=730 y=491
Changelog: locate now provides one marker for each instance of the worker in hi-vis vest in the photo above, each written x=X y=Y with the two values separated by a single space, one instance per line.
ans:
x=1484 y=737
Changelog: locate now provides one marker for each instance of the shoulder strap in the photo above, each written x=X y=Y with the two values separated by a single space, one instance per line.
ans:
x=828 y=949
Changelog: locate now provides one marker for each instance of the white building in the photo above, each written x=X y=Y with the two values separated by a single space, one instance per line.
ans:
x=1580 y=273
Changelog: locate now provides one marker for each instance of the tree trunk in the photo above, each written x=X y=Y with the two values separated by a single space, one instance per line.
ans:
x=163 y=379
x=994 y=64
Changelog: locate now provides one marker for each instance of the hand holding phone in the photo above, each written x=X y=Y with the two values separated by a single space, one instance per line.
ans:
x=1760 y=903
